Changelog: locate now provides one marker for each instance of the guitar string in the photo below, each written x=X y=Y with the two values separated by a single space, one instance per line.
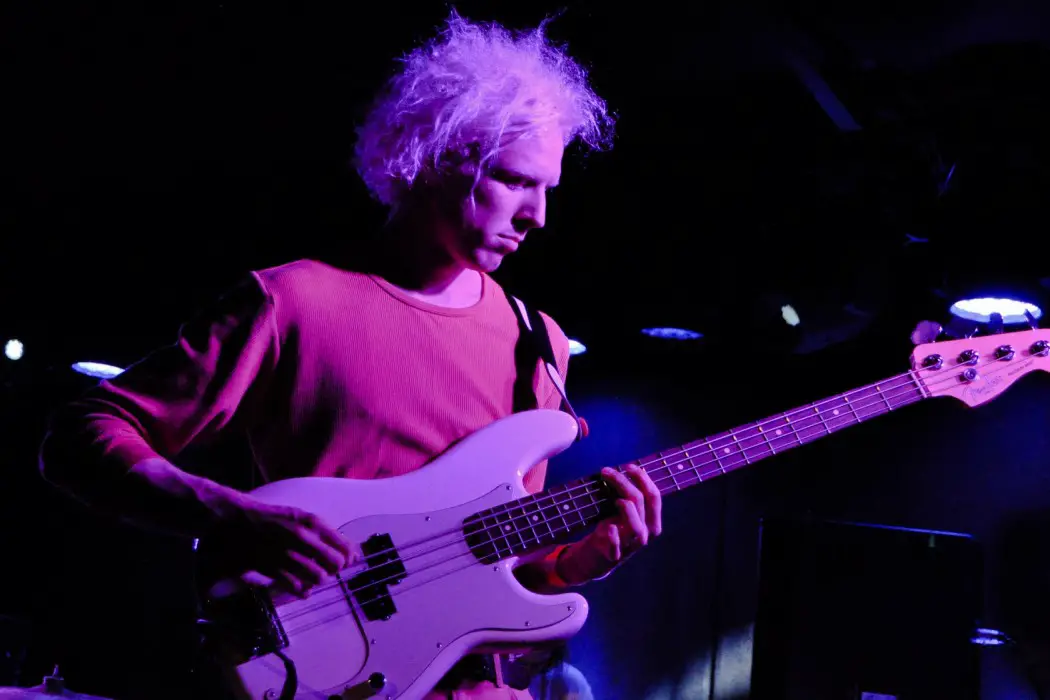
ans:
x=695 y=468
x=575 y=510
x=589 y=482
x=416 y=584
x=590 y=491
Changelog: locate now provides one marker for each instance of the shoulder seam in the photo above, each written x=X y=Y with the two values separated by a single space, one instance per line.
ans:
x=271 y=303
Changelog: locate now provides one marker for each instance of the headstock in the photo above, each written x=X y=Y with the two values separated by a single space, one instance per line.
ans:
x=976 y=370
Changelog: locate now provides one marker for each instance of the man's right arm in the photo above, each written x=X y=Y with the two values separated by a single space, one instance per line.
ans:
x=115 y=447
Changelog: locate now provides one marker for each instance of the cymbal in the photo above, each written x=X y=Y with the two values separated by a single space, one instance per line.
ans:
x=41 y=693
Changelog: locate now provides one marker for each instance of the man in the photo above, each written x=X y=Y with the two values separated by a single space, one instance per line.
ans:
x=373 y=367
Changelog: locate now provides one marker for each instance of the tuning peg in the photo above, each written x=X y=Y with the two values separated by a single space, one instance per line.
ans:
x=926 y=332
x=1031 y=320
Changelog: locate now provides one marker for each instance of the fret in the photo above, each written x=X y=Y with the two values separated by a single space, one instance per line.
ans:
x=869 y=404
x=850 y=404
x=820 y=415
x=683 y=470
x=538 y=517
x=593 y=504
x=740 y=449
x=787 y=421
x=677 y=466
x=567 y=509
x=530 y=521
x=671 y=471
x=496 y=534
x=552 y=514
x=507 y=526
x=721 y=452
x=772 y=448
x=883 y=396
x=916 y=391
x=920 y=384
x=578 y=510
x=511 y=521
x=694 y=471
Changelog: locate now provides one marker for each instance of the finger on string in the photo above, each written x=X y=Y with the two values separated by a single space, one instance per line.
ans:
x=627 y=490
x=289 y=583
x=633 y=522
x=309 y=572
x=653 y=501
x=314 y=548
x=614 y=551
x=335 y=539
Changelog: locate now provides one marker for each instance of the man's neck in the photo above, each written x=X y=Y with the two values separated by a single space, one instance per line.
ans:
x=458 y=292
x=422 y=271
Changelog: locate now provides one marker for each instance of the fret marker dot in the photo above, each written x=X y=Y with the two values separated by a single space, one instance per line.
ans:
x=535 y=518
x=836 y=411
x=506 y=528
x=779 y=431
x=565 y=507
x=726 y=450
x=681 y=467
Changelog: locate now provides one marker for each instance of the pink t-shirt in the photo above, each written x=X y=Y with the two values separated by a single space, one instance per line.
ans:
x=326 y=372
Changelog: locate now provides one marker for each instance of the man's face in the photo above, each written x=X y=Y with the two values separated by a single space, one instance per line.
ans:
x=510 y=199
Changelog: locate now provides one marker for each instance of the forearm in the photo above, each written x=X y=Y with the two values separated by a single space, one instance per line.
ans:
x=154 y=494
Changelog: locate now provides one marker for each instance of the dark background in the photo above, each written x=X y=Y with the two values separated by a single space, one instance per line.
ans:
x=867 y=163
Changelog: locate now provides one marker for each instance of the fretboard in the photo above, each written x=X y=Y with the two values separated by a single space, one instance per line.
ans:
x=561 y=512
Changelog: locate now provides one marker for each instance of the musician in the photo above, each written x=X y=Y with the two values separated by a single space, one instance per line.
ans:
x=372 y=367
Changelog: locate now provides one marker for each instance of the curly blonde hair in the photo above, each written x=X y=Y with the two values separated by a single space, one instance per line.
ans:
x=465 y=92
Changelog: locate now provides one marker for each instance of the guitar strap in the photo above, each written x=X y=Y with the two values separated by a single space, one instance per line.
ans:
x=534 y=345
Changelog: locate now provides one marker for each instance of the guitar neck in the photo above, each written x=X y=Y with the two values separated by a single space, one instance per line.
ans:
x=563 y=511
x=701 y=460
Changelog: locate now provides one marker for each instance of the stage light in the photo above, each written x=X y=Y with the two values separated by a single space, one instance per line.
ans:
x=790 y=316
x=980 y=309
x=672 y=333
x=14 y=349
x=97 y=369
x=990 y=638
x=576 y=347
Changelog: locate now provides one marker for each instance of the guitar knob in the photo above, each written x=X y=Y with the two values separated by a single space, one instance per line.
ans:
x=377 y=681
x=969 y=357
x=1040 y=348
x=1004 y=352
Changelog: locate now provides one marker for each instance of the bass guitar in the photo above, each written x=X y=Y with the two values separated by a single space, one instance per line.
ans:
x=435 y=581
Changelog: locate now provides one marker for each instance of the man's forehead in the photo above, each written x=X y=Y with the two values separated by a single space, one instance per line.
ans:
x=536 y=156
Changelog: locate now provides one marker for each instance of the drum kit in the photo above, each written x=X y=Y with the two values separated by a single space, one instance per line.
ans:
x=52 y=687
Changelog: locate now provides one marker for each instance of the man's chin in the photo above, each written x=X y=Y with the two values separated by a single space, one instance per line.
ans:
x=487 y=261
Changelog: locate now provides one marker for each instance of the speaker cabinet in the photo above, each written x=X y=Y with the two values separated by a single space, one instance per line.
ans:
x=852 y=611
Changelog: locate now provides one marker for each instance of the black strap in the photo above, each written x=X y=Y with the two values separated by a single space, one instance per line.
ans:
x=534 y=345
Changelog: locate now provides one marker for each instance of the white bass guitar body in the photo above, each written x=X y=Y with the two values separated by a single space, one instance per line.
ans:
x=423 y=597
